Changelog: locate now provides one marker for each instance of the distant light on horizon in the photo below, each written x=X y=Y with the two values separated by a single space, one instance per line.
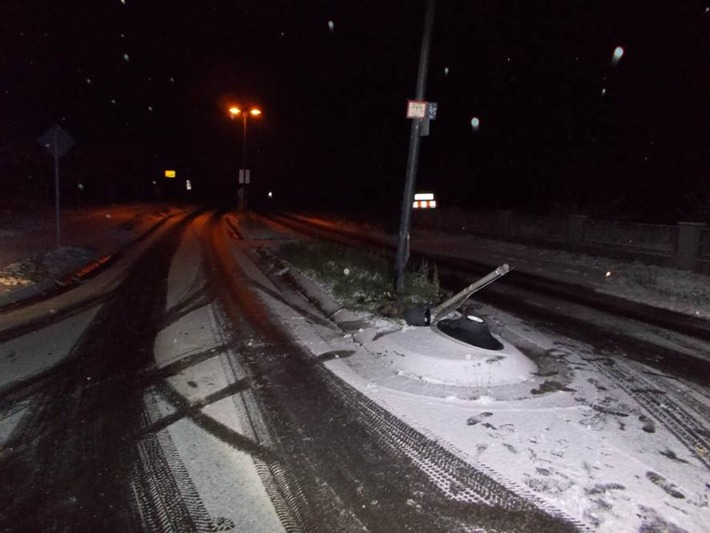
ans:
x=424 y=200
x=424 y=196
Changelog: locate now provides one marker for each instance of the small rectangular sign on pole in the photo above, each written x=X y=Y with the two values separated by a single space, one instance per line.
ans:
x=431 y=109
x=416 y=109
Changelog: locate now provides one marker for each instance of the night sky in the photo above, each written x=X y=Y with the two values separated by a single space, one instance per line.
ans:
x=144 y=85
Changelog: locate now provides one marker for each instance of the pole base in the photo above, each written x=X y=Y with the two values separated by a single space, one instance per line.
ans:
x=417 y=316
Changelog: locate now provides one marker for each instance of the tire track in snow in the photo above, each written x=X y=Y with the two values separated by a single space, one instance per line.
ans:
x=661 y=406
x=75 y=462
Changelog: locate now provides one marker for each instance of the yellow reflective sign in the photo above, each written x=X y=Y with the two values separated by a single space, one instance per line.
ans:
x=170 y=173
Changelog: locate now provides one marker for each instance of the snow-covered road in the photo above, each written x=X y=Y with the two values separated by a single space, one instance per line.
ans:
x=584 y=432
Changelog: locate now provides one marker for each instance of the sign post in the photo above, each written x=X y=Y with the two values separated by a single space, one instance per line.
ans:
x=57 y=142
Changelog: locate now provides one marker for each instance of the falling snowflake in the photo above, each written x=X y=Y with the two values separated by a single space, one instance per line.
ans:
x=126 y=58
x=618 y=53
x=88 y=81
x=331 y=26
x=475 y=123
x=446 y=71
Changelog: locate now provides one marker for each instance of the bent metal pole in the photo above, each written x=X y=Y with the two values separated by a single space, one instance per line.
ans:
x=457 y=300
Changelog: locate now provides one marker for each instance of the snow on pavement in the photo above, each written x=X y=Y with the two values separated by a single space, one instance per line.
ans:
x=580 y=438
x=28 y=240
x=586 y=447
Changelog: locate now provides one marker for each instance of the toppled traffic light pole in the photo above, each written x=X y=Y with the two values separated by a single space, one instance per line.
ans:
x=424 y=316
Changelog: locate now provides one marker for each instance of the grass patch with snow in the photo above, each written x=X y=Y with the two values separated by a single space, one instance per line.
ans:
x=362 y=279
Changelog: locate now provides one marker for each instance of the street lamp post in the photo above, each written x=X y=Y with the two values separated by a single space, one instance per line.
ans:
x=244 y=171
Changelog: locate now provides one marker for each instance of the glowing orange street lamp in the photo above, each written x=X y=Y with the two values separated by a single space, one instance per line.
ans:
x=244 y=177
x=254 y=112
